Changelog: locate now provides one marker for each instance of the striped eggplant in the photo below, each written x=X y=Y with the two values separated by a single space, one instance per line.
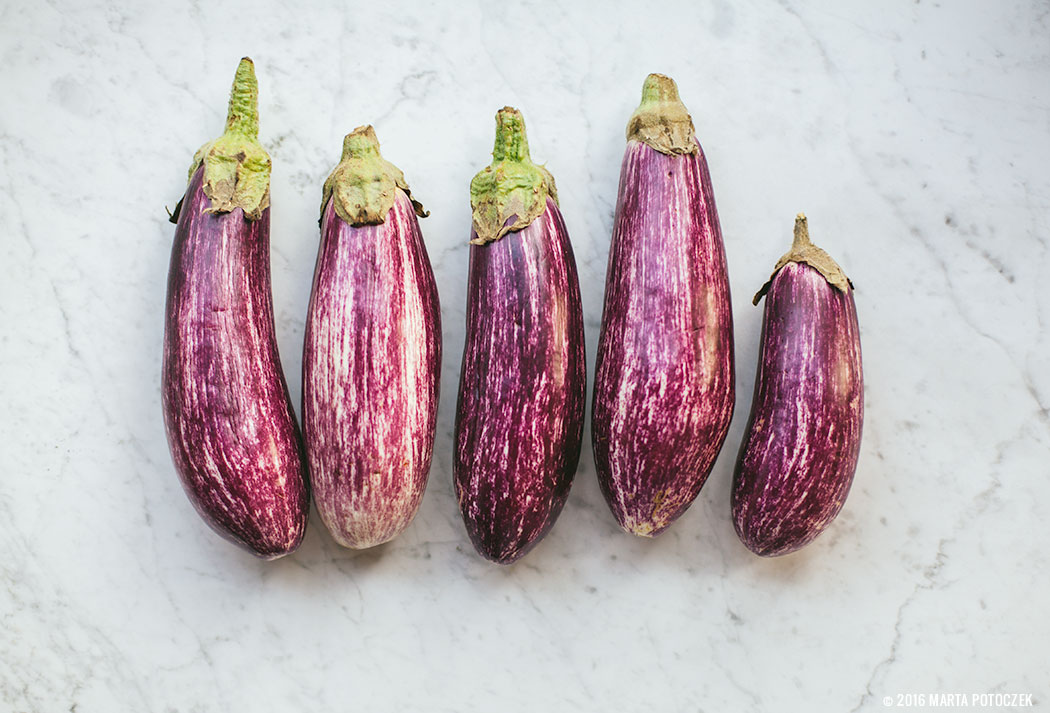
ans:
x=372 y=353
x=229 y=421
x=664 y=381
x=802 y=441
x=519 y=419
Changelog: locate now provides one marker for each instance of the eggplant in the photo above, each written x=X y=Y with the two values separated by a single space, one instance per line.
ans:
x=372 y=352
x=800 y=450
x=229 y=421
x=519 y=417
x=664 y=379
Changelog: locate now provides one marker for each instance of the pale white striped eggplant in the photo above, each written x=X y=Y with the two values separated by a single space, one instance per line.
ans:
x=664 y=381
x=802 y=442
x=372 y=352
x=519 y=419
x=229 y=421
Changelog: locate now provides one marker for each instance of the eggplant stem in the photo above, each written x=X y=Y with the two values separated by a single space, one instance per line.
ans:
x=362 y=142
x=236 y=166
x=511 y=141
x=661 y=120
x=801 y=238
x=363 y=187
x=512 y=191
x=243 y=115
x=805 y=252
x=659 y=88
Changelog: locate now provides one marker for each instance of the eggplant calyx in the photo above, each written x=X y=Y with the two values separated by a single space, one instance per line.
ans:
x=364 y=184
x=236 y=166
x=661 y=120
x=802 y=250
x=512 y=192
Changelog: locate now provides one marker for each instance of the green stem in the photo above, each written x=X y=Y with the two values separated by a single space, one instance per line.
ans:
x=658 y=88
x=511 y=142
x=512 y=191
x=661 y=120
x=243 y=115
x=236 y=166
x=361 y=143
x=364 y=185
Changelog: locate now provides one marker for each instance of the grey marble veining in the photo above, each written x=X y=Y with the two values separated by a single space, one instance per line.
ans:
x=915 y=135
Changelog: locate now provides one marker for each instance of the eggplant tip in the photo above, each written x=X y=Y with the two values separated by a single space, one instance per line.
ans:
x=769 y=548
x=503 y=558
x=271 y=548
x=643 y=528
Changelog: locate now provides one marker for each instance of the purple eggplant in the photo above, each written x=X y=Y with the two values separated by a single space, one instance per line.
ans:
x=519 y=420
x=664 y=381
x=800 y=449
x=372 y=353
x=229 y=421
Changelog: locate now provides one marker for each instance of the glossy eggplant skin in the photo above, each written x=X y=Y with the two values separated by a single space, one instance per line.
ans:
x=229 y=420
x=664 y=380
x=371 y=371
x=519 y=419
x=800 y=449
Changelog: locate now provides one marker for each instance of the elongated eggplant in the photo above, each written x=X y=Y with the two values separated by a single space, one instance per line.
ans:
x=664 y=381
x=229 y=421
x=802 y=442
x=372 y=353
x=519 y=419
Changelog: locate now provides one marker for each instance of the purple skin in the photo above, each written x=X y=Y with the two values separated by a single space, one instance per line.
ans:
x=800 y=449
x=371 y=368
x=519 y=421
x=229 y=421
x=664 y=381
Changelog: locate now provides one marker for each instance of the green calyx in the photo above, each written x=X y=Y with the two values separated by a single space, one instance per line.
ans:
x=511 y=192
x=236 y=166
x=802 y=250
x=364 y=184
x=661 y=120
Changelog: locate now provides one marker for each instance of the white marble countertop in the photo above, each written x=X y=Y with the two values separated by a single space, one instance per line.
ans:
x=914 y=134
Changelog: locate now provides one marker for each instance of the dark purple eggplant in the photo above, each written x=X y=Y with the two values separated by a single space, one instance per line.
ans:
x=372 y=353
x=229 y=421
x=664 y=381
x=519 y=419
x=802 y=442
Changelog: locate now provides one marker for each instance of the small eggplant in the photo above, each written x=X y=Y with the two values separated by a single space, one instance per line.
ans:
x=372 y=352
x=519 y=419
x=802 y=442
x=664 y=380
x=229 y=421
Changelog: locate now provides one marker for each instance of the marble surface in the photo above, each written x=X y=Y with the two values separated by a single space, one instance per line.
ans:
x=914 y=134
